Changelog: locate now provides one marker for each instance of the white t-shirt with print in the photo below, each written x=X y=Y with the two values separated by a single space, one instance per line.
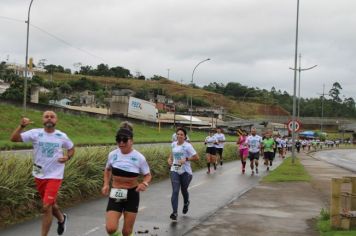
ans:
x=211 y=141
x=221 y=139
x=133 y=162
x=254 y=143
x=180 y=152
x=47 y=149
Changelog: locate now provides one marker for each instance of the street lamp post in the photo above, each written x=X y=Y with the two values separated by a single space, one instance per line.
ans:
x=299 y=73
x=26 y=59
x=191 y=96
x=295 y=85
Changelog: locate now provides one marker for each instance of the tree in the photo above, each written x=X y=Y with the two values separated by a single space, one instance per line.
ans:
x=349 y=102
x=335 y=92
x=65 y=88
x=120 y=72
x=85 y=70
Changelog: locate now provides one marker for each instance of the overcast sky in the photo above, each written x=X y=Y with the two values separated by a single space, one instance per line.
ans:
x=248 y=41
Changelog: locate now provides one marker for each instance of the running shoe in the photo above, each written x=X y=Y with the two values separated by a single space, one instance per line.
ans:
x=267 y=168
x=252 y=173
x=215 y=167
x=243 y=171
x=256 y=171
x=186 y=207
x=62 y=225
x=221 y=163
x=173 y=216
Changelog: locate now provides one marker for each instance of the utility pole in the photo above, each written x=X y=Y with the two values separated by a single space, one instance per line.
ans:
x=322 y=109
x=299 y=73
x=168 y=73
x=26 y=58
x=295 y=84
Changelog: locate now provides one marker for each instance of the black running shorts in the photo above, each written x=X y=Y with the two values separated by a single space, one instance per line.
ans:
x=211 y=150
x=129 y=205
x=253 y=156
x=219 y=151
x=268 y=155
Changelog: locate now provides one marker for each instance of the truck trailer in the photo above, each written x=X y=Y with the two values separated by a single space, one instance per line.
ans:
x=128 y=106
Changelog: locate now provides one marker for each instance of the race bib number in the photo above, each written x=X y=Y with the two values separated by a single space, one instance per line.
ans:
x=37 y=171
x=119 y=194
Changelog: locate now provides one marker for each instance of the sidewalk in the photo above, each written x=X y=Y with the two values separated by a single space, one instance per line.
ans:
x=283 y=209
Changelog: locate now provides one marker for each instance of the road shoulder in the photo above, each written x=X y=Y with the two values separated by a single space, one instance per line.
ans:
x=277 y=208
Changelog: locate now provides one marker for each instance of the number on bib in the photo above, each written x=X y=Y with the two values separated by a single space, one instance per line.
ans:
x=119 y=194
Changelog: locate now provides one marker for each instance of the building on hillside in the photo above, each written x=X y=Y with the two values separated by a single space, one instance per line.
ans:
x=63 y=102
x=20 y=70
x=237 y=125
x=86 y=98
x=36 y=91
x=3 y=86
x=161 y=99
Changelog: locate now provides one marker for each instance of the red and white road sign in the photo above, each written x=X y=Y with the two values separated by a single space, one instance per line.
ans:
x=297 y=125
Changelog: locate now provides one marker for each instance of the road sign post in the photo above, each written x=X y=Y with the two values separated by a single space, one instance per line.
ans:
x=297 y=126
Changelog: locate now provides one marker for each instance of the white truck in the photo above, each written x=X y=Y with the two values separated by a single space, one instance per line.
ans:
x=134 y=108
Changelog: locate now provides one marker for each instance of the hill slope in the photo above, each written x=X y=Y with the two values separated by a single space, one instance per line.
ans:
x=174 y=89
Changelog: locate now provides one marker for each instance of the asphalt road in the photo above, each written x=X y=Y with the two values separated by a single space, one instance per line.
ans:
x=208 y=193
x=345 y=158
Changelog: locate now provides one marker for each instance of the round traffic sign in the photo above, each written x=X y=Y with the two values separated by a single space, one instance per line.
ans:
x=296 y=125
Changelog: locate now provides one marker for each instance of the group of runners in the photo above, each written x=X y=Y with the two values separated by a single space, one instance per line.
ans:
x=127 y=172
x=121 y=183
x=214 y=142
x=253 y=146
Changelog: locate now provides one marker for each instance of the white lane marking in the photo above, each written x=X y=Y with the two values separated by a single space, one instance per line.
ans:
x=90 y=231
x=198 y=184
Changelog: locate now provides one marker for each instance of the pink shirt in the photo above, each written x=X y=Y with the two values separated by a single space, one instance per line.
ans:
x=242 y=142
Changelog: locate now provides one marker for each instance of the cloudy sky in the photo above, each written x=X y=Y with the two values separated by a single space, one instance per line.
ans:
x=248 y=41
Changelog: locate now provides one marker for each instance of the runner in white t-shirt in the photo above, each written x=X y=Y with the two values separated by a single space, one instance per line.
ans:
x=123 y=167
x=48 y=164
x=210 y=142
x=181 y=172
x=254 y=148
x=220 y=145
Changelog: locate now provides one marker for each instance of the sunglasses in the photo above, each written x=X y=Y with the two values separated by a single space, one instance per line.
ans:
x=123 y=139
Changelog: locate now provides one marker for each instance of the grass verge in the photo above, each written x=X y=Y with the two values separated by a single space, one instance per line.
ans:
x=85 y=130
x=83 y=178
x=325 y=229
x=288 y=171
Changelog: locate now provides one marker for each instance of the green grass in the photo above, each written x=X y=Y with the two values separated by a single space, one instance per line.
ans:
x=325 y=229
x=85 y=130
x=83 y=178
x=288 y=171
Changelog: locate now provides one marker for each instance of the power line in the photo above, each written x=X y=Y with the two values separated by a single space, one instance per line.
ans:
x=12 y=19
x=55 y=37
x=67 y=43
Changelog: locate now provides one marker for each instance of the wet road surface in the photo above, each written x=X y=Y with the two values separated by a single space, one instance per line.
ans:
x=345 y=158
x=208 y=193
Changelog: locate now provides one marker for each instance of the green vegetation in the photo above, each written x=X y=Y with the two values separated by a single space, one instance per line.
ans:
x=288 y=171
x=334 y=106
x=84 y=130
x=325 y=229
x=178 y=92
x=82 y=180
